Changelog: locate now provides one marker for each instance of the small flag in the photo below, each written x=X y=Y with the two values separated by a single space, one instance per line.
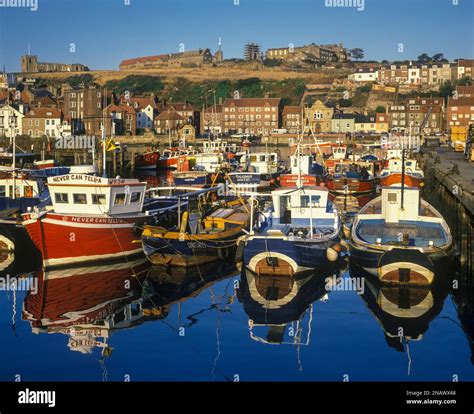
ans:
x=110 y=145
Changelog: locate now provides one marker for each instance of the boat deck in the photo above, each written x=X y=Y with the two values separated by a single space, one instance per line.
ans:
x=419 y=233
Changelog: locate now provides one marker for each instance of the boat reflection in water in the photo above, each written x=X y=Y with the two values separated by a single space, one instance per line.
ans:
x=282 y=305
x=87 y=303
x=403 y=311
x=165 y=286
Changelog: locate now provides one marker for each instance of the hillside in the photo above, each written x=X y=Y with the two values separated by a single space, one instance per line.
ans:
x=197 y=84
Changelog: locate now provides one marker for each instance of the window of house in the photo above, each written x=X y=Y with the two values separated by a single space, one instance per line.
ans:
x=98 y=199
x=79 y=198
x=61 y=198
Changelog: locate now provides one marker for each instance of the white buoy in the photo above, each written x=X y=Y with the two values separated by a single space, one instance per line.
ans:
x=332 y=254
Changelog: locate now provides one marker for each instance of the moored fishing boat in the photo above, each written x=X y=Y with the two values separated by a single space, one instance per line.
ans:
x=352 y=177
x=92 y=219
x=297 y=232
x=398 y=169
x=173 y=157
x=400 y=238
x=257 y=173
x=304 y=171
x=200 y=236
x=147 y=160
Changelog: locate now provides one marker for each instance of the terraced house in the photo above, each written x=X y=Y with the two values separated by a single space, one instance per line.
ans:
x=292 y=118
x=40 y=122
x=418 y=115
x=251 y=115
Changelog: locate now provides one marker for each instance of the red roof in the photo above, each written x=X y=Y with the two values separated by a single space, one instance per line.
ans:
x=144 y=59
x=50 y=113
x=292 y=109
x=169 y=115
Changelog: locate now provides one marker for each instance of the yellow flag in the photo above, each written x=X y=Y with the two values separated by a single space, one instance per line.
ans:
x=110 y=145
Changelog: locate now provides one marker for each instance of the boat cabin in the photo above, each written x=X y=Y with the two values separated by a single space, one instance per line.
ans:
x=176 y=153
x=86 y=194
x=339 y=152
x=354 y=169
x=209 y=162
x=395 y=166
x=24 y=187
x=303 y=213
x=261 y=162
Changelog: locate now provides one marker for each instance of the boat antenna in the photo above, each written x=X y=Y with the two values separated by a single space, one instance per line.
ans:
x=403 y=178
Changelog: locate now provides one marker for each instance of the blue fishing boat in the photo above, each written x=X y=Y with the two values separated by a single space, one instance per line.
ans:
x=257 y=172
x=297 y=231
x=400 y=238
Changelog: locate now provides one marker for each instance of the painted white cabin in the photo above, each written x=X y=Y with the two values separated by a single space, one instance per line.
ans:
x=89 y=195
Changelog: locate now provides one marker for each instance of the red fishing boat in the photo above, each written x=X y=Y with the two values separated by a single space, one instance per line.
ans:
x=350 y=177
x=392 y=174
x=147 y=160
x=92 y=219
x=174 y=158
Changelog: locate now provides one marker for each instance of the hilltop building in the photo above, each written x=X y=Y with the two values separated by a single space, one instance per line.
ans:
x=199 y=57
x=252 y=52
x=30 y=64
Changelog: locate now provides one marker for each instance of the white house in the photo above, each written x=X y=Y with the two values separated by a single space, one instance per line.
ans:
x=145 y=109
x=11 y=120
x=364 y=75
x=414 y=75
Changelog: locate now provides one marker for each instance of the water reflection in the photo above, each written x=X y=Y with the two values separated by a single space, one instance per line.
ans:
x=86 y=304
x=165 y=287
x=282 y=305
x=403 y=311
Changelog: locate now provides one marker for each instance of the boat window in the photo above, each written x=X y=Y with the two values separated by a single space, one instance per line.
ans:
x=392 y=197
x=136 y=197
x=79 y=198
x=315 y=200
x=28 y=191
x=2 y=191
x=120 y=199
x=61 y=198
x=98 y=199
x=304 y=201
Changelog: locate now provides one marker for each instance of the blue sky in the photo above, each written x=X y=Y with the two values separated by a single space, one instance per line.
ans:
x=107 y=31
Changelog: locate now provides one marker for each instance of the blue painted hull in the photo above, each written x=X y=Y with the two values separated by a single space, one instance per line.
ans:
x=300 y=255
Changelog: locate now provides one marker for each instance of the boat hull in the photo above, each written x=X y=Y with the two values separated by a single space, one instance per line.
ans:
x=285 y=257
x=395 y=179
x=351 y=185
x=400 y=265
x=147 y=161
x=70 y=239
x=175 y=252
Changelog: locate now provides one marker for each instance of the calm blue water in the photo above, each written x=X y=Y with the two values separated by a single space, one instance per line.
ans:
x=194 y=325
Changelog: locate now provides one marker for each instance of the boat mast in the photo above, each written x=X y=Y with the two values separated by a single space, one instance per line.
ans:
x=104 y=139
x=403 y=178
x=13 y=159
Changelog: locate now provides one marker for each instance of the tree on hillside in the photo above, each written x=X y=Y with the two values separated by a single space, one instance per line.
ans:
x=380 y=109
x=357 y=53
x=446 y=89
x=465 y=81
x=438 y=57
x=424 y=58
